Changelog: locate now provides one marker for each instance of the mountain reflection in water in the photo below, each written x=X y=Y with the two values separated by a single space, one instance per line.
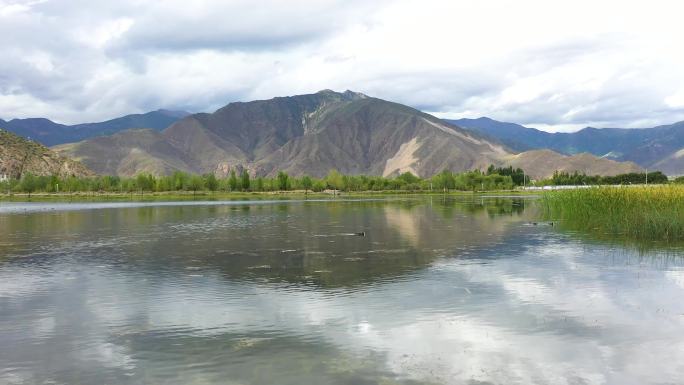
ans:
x=439 y=291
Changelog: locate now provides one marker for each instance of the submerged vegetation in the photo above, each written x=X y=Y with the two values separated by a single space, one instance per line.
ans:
x=642 y=213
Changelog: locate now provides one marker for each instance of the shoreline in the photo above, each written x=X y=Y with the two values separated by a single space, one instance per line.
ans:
x=239 y=195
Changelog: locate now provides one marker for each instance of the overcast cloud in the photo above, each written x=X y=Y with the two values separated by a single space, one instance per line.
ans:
x=547 y=64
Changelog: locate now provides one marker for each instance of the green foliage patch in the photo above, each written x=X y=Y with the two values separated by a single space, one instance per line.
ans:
x=642 y=213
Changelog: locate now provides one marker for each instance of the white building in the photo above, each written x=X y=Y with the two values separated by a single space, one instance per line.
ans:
x=4 y=177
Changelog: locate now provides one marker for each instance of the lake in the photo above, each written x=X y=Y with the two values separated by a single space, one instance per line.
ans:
x=440 y=290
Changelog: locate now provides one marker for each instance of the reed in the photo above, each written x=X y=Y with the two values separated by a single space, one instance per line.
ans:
x=641 y=213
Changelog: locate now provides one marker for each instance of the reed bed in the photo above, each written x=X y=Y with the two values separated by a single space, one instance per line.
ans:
x=641 y=213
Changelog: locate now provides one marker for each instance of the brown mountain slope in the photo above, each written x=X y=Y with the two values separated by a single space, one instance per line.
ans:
x=19 y=156
x=542 y=163
x=128 y=153
x=306 y=134
x=372 y=136
x=672 y=164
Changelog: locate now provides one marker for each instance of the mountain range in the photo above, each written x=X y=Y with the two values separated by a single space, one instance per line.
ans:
x=50 y=133
x=658 y=148
x=312 y=134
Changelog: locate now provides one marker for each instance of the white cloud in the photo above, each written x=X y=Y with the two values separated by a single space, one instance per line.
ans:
x=558 y=65
x=676 y=100
x=9 y=8
x=98 y=36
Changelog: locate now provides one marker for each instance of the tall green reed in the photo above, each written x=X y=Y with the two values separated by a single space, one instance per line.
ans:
x=643 y=212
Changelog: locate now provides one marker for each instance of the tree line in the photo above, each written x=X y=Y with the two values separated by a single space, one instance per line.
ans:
x=494 y=178
x=244 y=182
x=571 y=179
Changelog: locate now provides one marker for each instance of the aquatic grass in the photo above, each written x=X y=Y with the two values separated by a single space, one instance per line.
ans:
x=641 y=213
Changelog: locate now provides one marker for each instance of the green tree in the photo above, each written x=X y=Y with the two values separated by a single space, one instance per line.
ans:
x=335 y=180
x=180 y=180
x=232 y=181
x=408 y=178
x=444 y=181
x=307 y=183
x=318 y=185
x=144 y=182
x=211 y=182
x=28 y=183
x=260 y=184
x=196 y=183
x=283 y=181
x=244 y=180
x=53 y=184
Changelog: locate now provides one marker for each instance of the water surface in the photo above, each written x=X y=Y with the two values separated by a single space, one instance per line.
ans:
x=439 y=291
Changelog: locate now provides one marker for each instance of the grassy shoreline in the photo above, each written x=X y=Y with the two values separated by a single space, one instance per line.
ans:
x=238 y=195
x=648 y=213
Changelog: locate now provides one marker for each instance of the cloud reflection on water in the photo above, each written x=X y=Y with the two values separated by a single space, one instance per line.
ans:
x=504 y=304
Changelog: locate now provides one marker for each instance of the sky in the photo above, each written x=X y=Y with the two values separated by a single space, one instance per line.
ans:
x=557 y=66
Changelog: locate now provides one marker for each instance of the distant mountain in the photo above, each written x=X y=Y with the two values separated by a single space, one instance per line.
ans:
x=515 y=136
x=542 y=164
x=308 y=134
x=50 y=133
x=660 y=148
x=19 y=156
